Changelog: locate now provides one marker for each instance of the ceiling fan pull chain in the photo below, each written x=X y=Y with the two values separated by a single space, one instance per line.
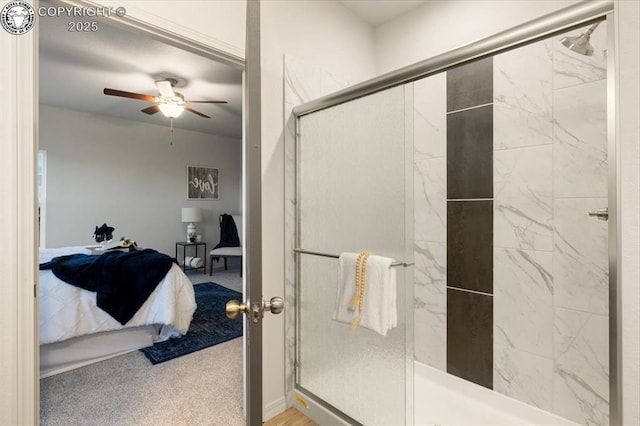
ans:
x=171 y=130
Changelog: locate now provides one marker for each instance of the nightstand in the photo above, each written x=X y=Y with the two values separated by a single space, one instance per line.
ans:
x=184 y=245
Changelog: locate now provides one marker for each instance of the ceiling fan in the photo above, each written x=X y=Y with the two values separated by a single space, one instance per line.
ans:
x=170 y=102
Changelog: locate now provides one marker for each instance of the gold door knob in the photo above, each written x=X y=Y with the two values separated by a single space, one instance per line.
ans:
x=275 y=305
x=235 y=308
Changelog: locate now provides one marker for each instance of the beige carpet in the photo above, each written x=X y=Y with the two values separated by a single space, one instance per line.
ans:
x=202 y=388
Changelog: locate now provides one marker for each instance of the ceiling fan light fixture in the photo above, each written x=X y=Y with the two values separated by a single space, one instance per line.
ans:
x=171 y=110
x=169 y=102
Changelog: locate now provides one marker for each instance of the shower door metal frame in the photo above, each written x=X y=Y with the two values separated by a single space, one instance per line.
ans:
x=546 y=26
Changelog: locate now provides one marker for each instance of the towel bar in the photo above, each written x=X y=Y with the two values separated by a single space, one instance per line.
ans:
x=335 y=256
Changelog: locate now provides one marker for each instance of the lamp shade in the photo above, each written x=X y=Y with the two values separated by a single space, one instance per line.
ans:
x=191 y=214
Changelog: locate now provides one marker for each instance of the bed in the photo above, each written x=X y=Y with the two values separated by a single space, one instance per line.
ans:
x=75 y=332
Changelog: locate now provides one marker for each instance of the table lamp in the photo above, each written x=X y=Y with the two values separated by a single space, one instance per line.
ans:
x=190 y=215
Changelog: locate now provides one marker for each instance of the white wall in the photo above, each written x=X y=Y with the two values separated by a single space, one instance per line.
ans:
x=125 y=173
x=319 y=32
x=441 y=25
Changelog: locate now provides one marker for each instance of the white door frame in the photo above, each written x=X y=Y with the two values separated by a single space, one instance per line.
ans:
x=19 y=399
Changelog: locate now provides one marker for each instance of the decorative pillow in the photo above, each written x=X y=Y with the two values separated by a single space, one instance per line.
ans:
x=46 y=254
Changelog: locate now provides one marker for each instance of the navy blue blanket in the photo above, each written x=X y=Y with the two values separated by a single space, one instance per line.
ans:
x=228 y=232
x=122 y=280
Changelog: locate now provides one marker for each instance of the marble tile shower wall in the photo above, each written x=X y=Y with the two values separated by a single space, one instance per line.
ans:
x=430 y=205
x=580 y=259
x=550 y=271
x=523 y=223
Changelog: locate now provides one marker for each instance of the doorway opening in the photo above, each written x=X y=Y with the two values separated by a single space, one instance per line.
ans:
x=110 y=161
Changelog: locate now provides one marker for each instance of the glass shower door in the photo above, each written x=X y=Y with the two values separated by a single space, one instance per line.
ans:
x=354 y=194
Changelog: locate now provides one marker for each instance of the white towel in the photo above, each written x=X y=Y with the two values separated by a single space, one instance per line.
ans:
x=380 y=312
x=194 y=262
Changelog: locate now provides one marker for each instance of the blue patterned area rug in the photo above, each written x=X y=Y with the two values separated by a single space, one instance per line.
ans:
x=209 y=326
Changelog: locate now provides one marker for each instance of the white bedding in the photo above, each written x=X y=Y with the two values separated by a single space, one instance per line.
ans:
x=67 y=311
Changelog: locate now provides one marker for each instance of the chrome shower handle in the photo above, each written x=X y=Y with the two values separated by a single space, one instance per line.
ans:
x=602 y=214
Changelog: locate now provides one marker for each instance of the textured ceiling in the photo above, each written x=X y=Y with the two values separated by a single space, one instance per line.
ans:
x=76 y=66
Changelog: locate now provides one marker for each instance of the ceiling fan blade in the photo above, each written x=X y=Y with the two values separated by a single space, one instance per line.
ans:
x=165 y=88
x=196 y=112
x=151 y=110
x=206 y=102
x=122 y=93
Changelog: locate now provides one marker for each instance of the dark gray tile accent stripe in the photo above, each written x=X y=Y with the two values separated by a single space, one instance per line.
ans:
x=470 y=337
x=470 y=222
x=470 y=153
x=470 y=245
x=470 y=85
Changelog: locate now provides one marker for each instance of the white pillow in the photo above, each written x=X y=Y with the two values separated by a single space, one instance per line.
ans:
x=47 y=254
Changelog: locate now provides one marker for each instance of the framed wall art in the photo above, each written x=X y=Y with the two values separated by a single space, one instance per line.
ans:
x=203 y=183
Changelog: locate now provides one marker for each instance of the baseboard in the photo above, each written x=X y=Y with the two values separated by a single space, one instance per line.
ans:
x=274 y=408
